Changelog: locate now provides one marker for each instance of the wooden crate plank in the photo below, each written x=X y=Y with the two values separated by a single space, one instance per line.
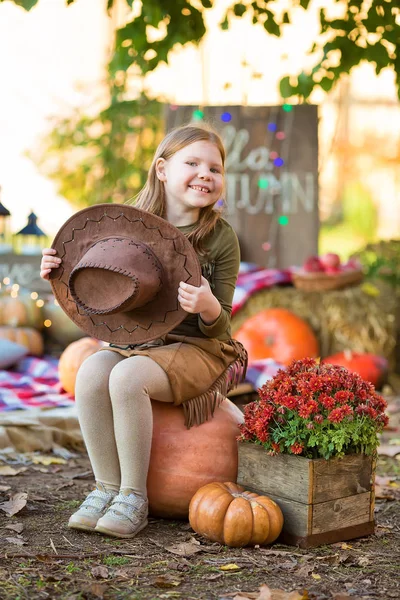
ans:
x=284 y=476
x=297 y=515
x=341 y=513
x=341 y=477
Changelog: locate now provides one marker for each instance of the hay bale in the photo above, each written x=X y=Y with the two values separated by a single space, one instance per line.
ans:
x=341 y=319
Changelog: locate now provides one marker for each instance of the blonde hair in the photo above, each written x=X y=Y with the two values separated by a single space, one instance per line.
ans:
x=152 y=196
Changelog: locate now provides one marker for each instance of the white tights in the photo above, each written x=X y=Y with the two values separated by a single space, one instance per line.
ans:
x=113 y=401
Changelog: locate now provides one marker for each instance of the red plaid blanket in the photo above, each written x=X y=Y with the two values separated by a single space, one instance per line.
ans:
x=33 y=382
x=252 y=279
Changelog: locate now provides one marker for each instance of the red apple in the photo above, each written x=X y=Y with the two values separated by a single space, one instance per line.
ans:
x=333 y=270
x=313 y=265
x=330 y=260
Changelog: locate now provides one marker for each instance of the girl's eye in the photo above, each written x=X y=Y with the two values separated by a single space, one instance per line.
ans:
x=191 y=163
x=215 y=170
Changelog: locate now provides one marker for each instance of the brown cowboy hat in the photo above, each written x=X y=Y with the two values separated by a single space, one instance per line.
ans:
x=120 y=272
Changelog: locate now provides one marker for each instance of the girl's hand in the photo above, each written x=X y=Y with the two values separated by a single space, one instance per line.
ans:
x=49 y=262
x=199 y=299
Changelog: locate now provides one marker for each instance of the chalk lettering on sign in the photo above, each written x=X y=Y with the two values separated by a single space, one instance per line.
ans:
x=285 y=195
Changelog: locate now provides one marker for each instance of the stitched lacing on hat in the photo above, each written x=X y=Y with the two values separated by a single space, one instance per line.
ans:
x=91 y=265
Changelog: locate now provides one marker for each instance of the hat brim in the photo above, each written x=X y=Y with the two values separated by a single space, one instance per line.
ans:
x=176 y=253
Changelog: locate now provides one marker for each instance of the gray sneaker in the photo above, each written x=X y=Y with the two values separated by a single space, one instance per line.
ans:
x=126 y=516
x=91 y=509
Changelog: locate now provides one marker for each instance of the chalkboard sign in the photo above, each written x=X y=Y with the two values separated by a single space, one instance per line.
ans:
x=23 y=270
x=272 y=177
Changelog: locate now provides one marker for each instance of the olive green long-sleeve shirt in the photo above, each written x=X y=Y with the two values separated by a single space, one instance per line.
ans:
x=220 y=267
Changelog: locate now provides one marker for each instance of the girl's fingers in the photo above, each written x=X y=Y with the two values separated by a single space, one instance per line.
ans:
x=48 y=251
x=50 y=265
x=183 y=294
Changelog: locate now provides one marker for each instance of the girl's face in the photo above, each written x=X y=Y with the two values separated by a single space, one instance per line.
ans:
x=193 y=179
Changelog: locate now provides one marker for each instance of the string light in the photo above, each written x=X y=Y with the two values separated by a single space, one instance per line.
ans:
x=198 y=115
x=14 y=294
x=279 y=162
x=39 y=303
x=266 y=246
x=6 y=280
x=272 y=126
x=226 y=117
x=283 y=220
x=287 y=107
x=15 y=287
x=34 y=295
x=174 y=107
x=280 y=135
x=47 y=323
x=273 y=155
x=263 y=183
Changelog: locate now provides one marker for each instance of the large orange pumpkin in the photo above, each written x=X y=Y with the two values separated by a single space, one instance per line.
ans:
x=72 y=358
x=20 y=312
x=279 y=334
x=370 y=367
x=226 y=513
x=183 y=460
x=26 y=336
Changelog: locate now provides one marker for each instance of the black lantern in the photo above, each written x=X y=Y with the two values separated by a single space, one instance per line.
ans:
x=5 y=230
x=31 y=239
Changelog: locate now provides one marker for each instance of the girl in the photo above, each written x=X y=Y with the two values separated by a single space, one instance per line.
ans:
x=114 y=386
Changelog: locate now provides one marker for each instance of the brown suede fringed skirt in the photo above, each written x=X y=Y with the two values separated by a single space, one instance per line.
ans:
x=201 y=370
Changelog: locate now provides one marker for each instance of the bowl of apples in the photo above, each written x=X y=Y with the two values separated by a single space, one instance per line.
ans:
x=327 y=272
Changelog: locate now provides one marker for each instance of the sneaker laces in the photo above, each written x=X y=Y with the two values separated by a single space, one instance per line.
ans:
x=96 y=501
x=130 y=507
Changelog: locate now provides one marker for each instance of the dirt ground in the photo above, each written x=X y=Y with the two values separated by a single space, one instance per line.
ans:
x=40 y=558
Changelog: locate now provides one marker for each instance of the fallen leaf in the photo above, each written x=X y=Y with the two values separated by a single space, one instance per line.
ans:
x=384 y=492
x=230 y=567
x=316 y=576
x=7 y=471
x=388 y=450
x=331 y=559
x=14 y=504
x=214 y=576
x=96 y=589
x=18 y=527
x=266 y=593
x=100 y=572
x=184 y=549
x=64 y=485
x=165 y=581
x=16 y=540
x=304 y=571
x=48 y=460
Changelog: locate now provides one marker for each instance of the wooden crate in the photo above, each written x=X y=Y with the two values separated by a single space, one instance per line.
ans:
x=323 y=501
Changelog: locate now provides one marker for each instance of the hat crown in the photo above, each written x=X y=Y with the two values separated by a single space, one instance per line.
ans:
x=116 y=274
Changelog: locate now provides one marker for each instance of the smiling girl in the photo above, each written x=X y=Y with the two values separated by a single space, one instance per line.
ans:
x=194 y=365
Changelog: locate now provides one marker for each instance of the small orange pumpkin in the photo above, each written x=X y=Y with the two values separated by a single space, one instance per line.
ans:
x=72 y=358
x=26 y=336
x=279 y=334
x=226 y=513
x=20 y=312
